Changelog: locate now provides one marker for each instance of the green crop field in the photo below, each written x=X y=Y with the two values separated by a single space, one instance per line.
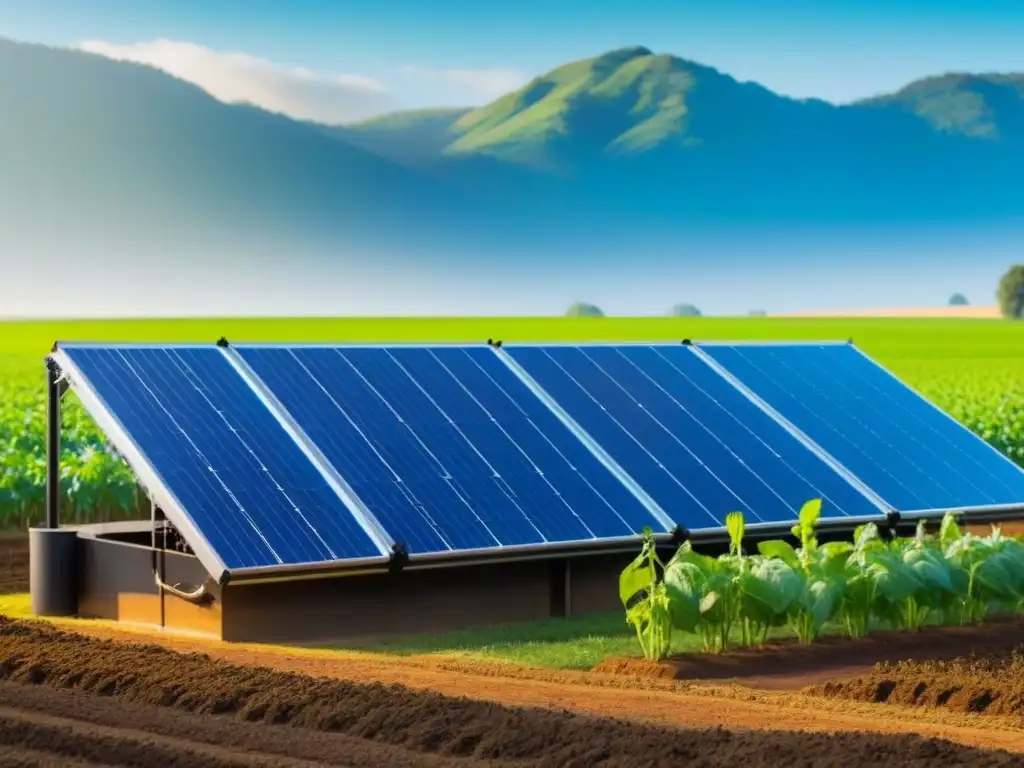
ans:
x=974 y=369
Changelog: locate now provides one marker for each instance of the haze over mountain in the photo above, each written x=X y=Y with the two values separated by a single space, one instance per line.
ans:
x=105 y=157
x=687 y=140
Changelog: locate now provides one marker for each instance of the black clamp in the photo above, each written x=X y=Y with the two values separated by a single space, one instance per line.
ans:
x=399 y=558
x=223 y=342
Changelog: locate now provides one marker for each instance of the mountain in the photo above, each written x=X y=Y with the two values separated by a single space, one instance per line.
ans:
x=418 y=136
x=987 y=107
x=116 y=151
x=687 y=140
x=95 y=152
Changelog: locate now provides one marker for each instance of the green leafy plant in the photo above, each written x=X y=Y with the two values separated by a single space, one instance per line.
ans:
x=646 y=600
x=904 y=583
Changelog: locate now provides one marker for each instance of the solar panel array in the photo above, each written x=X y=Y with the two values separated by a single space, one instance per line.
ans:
x=278 y=456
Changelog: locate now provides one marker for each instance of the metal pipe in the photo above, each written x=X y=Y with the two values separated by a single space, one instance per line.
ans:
x=53 y=429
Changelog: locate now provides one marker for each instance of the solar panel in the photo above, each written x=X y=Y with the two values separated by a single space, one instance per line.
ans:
x=243 y=482
x=696 y=444
x=912 y=454
x=446 y=447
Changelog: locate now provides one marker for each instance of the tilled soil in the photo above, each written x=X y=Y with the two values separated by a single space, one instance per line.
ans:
x=13 y=563
x=169 y=709
x=791 y=666
x=666 y=702
x=991 y=684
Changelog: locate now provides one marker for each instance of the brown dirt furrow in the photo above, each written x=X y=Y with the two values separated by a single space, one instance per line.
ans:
x=791 y=666
x=67 y=739
x=667 y=702
x=13 y=563
x=17 y=757
x=989 y=684
x=68 y=705
x=463 y=730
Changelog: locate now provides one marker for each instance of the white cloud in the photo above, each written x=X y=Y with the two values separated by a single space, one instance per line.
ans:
x=479 y=83
x=237 y=77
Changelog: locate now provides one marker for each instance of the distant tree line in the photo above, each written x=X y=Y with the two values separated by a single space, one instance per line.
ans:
x=582 y=309
x=1009 y=294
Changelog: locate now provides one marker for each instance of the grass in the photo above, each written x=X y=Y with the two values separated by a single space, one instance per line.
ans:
x=892 y=340
x=579 y=642
x=16 y=606
x=576 y=643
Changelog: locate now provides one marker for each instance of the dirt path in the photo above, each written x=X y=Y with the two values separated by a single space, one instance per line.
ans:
x=661 y=701
x=190 y=709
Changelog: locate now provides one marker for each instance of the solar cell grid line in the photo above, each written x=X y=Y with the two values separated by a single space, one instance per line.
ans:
x=338 y=483
x=665 y=423
x=982 y=454
x=485 y=492
x=931 y=446
x=466 y=510
x=914 y=455
x=794 y=470
x=371 y=447
x=545 y=473
x=852 y=398
x=631 y=387
x=242 y=481
x=938 y=479
x=842 y=437
x=623 y=445
x=451 y=418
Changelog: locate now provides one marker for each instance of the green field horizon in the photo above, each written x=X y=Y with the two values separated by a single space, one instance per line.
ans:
x=886 y=337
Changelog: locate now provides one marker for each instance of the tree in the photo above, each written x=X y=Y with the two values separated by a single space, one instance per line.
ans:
x=1010 y=293
x=685 y=310
x=582 y=309
x=958 y=300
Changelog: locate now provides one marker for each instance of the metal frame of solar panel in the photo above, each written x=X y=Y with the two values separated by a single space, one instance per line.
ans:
x=244 y=476
x=921 y=461
x=700 y=445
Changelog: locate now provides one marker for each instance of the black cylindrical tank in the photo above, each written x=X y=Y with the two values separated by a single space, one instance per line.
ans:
x=52 y=571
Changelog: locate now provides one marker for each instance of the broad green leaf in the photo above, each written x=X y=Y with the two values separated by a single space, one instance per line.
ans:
x=773 y=583
x=635 y=578
x=684 y=585
x=823 y=600
x=783 y=550
x=896 y=581
x=993 y=575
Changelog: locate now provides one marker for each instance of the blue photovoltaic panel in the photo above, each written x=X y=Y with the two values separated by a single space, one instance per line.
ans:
x=447 y=447
x=696 y=444
x=242 y=479
x=905 y=449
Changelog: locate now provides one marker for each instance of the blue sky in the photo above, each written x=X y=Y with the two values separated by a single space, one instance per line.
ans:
x=828 y=49
x=341 y=60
